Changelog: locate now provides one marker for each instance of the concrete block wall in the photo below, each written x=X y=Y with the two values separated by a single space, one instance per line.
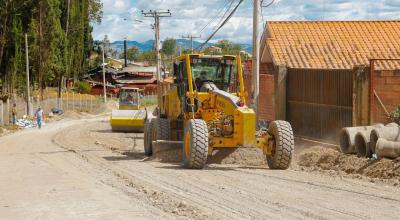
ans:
x=386 y=83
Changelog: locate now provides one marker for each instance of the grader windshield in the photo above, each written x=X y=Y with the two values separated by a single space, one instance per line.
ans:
x=222 y=72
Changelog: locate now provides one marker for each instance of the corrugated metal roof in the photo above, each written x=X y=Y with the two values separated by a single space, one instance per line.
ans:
x=139 y=69
x=331 y=44
x=136 y=81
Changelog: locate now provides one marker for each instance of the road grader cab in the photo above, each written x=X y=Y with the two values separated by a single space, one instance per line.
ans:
x=130 y=116
x=204 y=109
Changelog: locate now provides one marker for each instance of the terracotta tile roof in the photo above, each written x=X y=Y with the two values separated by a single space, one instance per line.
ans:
x=331 y=44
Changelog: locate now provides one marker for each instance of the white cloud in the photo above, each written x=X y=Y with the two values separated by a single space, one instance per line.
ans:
x=189 y=16
x=116 y=6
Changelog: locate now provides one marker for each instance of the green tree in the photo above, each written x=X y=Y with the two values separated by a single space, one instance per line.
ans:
x=149 y=56
x=169 y=46
x=95 y=10
x=133 y=54
x=59 y=38
x=228 y=47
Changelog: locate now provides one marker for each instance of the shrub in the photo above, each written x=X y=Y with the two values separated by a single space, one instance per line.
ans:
x=82 y=87
x=395 y=115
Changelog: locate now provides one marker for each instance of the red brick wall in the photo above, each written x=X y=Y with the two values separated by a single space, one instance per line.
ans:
x=267 y=87
x=247 y=80
x=386 y=83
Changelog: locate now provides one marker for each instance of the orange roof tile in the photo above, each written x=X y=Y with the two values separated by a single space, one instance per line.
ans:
x=331 y=44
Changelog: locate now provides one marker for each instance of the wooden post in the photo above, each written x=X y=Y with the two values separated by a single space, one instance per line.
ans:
x=8 y=111
x=280 y=93
x=67 y=100
x=80 y=102
x=1 y=113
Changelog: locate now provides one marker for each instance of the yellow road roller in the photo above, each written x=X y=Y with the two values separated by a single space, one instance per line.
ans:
x=130 y=116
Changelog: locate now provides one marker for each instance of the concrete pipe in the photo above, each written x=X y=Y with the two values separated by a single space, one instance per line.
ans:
x=347 y=137
x=388 y=149
x=361 y=144
x=390 y=132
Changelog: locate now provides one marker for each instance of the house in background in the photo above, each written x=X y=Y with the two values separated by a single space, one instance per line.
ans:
x=115 y=63
x=322 y=76
x=214 y=50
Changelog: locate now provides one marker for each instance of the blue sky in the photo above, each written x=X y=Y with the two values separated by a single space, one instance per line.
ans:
x=190 y=16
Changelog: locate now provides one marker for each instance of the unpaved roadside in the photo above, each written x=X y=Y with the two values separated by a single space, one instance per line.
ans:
x=223 y=191
x=40 y=180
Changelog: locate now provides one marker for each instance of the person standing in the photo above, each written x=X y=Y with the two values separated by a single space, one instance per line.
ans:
x=39 y=117
x=14 y=114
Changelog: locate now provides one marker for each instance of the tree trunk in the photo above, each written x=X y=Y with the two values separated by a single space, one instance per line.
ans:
x=60 y=78
x=3 y=34
x=40 y=73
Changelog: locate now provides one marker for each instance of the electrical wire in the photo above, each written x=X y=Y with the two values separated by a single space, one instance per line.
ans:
x=223 y=16
x=215 y=17
x=266 y=6
x=221 y=25
x=262 y=12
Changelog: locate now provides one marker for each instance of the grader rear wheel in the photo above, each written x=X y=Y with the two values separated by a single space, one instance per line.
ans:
x=148 y=149
x=283 y=149
x=195 y=148
x=161 y=129
x=155 y=129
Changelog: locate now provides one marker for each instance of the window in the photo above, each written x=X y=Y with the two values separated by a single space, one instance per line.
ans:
x=129 y=97
x=221 y=72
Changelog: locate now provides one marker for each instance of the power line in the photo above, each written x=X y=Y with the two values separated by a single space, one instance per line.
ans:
x=225 y=13
x=215 y=17
x=262 y=10
x=191 y=37
x=223 y=23
x=267 y=5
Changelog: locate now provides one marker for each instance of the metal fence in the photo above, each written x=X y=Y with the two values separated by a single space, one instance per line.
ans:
x=68 y=102
x=319 y=102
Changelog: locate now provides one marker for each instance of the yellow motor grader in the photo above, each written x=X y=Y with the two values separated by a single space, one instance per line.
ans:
x=204 y=109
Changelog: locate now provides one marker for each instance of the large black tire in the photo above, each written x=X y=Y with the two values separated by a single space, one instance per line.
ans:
x=160 y=129
x=148 y=148
x=283 y=150
x=195 y=147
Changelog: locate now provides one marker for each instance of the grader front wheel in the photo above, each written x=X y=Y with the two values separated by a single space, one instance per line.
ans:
x=283 y=145
x=195 y=147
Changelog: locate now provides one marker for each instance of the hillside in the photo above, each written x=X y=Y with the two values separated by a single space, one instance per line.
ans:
x=148 y=45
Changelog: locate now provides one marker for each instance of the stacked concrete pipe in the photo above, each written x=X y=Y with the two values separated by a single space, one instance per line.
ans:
x=361 y=144
x=388 y=149
x=390 y=132
x=348 y=134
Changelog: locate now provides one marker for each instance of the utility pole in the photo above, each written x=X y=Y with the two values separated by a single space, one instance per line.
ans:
x=104 y=77
x=191 y=37
x=256 y=56
x=125 y=53
x=28 y=94
x=157 y=15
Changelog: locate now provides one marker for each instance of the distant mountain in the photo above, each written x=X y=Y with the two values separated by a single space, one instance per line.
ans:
x=183 y=43
x=145 y=46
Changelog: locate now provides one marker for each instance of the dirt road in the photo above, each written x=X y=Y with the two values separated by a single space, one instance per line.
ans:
x=78 y=169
